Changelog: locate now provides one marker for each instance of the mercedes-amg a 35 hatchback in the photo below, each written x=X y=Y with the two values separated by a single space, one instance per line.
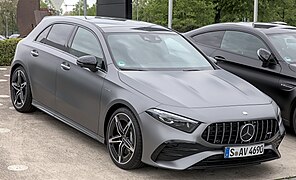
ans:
x=146 y=92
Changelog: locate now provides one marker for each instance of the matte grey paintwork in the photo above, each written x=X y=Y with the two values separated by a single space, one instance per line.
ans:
x=83 y=99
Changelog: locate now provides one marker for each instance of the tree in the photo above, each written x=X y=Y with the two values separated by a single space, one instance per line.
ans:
x=8 y=16
x=79 y=9
x=186 y=13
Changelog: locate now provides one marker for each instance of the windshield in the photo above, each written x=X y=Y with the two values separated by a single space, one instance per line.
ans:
x=151 y=51
x=285 y=44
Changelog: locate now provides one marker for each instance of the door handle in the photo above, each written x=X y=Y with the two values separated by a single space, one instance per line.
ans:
x=65 y=66
x=34 y=53
x=220 y=58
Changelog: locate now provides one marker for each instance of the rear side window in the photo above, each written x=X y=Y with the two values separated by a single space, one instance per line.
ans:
x=43 y=35
x=211 y=38
x=242 y=43
x=59 y=35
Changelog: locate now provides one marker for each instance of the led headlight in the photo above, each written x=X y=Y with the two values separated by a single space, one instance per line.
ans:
x=173 y=120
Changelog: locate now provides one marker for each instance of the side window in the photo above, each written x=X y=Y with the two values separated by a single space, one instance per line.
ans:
x=86 y=43
x=43 y=35
x=58 y=35
x=242 y=43
x=211 y=38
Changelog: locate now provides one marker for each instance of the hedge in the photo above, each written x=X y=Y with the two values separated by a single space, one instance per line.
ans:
x=7 y=49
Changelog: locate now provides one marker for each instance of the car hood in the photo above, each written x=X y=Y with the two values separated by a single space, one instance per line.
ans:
x=194 y=89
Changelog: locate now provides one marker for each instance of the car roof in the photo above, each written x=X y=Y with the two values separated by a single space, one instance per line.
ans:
x=266 y=28
x=108 y=24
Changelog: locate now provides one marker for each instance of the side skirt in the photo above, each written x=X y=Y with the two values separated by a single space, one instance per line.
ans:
x=68 y=121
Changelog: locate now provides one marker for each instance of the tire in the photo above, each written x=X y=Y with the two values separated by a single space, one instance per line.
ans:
x=124 y=140
x=293 y=121
x=20 y=91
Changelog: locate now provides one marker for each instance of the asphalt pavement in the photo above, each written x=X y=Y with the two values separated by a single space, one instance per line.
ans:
x=37 y=146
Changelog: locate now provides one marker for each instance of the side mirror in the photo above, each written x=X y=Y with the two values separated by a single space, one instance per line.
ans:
x=89 y=62
x=212 y=59
x=266 y=57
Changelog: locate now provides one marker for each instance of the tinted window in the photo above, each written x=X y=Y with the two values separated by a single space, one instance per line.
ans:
x=42 y=36
x=86 y=43
x=242 y=43
x=59 y=34
x=285 y=45
x=211 y=38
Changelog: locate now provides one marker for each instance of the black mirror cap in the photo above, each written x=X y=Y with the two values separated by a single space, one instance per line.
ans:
x=89 y=62
x=266 y=57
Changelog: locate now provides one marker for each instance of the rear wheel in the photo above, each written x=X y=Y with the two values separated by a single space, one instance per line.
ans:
x=293 y=123
x=124 y=139
x=20 y=91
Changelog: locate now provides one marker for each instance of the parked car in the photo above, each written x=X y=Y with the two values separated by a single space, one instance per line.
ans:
x=146 y=92
x=261 y=53
x=14 y=36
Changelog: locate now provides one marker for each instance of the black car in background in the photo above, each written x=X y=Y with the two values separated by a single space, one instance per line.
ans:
x=262 y=53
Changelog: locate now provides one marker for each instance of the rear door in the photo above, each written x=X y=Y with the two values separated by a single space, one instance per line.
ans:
x=238 y=54
x=78 y=90
x=45 y=54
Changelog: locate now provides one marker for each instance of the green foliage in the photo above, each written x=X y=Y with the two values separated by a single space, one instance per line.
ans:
x=8 y=16
x=44 y=4
x=7 y=49
x=79 y=9
x=190 y=14
x=187 y=13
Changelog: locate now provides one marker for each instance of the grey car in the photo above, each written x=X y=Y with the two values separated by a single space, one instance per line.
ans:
x=144 y=91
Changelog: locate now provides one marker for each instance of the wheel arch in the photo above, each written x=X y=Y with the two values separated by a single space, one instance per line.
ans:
x=112 y=108
x=19 y=63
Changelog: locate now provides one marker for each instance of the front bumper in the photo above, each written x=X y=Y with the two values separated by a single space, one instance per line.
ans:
x=166 y=147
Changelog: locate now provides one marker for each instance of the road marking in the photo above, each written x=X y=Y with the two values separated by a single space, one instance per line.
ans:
x=4 y=130
x=4 y=96
x=11 y=108
x=3 y=80
x=6 y=75
x=3 y=69
x=17 y=167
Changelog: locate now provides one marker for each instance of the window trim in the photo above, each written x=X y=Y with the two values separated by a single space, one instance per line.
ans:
x=42 y=32
x=70 y=42
x=192 y=37
x=246 y=32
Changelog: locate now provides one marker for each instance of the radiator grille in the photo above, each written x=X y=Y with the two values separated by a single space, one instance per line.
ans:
x=229 y=132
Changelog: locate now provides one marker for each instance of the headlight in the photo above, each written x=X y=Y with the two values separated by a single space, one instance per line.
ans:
x=279 y=115
x=173 y=120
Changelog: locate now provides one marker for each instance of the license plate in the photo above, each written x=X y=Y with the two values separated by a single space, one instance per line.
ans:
x=243 y=151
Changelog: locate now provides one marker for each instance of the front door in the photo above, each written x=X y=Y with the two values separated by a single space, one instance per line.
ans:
x=78 y=90
x=238 y=54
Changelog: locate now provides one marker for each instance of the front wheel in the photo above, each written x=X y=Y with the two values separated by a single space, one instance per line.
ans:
x=124 y=139
x=20 y=91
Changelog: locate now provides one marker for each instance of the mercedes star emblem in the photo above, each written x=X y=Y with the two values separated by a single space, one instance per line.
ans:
x=247 y=132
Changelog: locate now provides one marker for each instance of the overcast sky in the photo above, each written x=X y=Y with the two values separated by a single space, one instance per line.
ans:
x=72 y=2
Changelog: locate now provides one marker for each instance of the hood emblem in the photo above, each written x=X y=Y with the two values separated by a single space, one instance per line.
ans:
x=247 y=132
x=245 y=113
